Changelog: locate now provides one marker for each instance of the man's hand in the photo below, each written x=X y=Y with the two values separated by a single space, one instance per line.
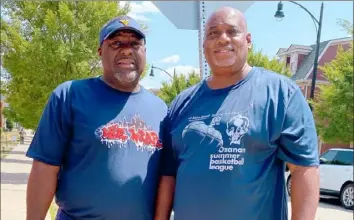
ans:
x=165 y=198
x=41 y=188
x=304 y=192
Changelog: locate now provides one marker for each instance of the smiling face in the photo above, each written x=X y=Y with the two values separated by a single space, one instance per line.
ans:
x=123 y=57
x=226 y=41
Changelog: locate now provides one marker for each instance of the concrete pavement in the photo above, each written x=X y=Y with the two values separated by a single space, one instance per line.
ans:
x=330 y=209
x=15 y=169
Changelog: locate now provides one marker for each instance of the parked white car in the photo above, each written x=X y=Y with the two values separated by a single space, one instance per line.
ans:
x=336 y=176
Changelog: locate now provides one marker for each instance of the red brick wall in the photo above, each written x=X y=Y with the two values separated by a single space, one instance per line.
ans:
x=303 y=89
x=328 y=56
x=301 y=58
x=326 y=146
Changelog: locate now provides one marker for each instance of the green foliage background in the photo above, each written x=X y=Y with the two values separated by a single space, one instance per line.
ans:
x=181 y=82
x=45 y=43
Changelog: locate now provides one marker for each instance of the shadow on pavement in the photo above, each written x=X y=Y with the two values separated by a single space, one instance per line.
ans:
x=5 y=160
x=333 y=204
x=14 y=178
x=18 y=152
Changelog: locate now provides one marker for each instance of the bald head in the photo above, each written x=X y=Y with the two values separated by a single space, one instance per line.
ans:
x=226 y=41
x=227 y=15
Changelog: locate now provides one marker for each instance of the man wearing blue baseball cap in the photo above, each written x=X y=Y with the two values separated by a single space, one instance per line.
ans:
x=97 y=146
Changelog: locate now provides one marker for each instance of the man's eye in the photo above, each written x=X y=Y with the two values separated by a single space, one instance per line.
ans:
x=116 y=43
x=233 y=32
x=212 y=33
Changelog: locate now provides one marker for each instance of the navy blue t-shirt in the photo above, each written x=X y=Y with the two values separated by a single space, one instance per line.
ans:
x=108 y=145
x=227 y=147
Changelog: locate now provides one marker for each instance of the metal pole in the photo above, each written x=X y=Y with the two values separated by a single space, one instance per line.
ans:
x=315 y=65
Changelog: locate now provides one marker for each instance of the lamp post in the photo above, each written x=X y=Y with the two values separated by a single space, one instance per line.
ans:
x=280 y=14
x=154 y=67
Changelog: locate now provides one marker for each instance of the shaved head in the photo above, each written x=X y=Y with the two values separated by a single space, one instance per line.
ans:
x=226 y=42
x=228 y=15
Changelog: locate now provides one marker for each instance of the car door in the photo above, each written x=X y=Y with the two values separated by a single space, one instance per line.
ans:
x=341 y=170
x=326 y=160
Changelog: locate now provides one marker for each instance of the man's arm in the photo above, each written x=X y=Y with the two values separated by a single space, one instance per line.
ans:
x=304 y=192
x=168 y=169
x=41 y=187
x=165 y=197
x=298 y=147
x=47 y=151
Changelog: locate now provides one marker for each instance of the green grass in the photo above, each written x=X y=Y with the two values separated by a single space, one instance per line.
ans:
x=53 y=209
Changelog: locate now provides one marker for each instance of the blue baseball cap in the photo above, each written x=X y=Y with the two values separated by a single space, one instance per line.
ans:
x=122 y=22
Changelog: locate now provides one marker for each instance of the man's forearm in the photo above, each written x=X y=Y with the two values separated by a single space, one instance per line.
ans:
x=165 y=198
x=304 y=192
x=41 y=188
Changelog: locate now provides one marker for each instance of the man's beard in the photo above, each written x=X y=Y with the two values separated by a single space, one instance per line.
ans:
x=127 y=77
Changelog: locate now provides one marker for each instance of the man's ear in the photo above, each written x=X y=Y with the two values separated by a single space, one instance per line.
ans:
x=99 y=51
x=249 y=40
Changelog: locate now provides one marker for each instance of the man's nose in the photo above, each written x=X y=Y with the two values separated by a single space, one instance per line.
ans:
x=126 y=51
x=223 y=39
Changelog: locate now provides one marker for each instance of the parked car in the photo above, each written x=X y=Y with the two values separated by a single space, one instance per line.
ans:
x=336 y=176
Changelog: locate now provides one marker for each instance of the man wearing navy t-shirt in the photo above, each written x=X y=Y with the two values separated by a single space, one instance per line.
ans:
x=227 y=139
x=97 y=146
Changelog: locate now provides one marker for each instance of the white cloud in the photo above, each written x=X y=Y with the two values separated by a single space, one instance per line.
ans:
x=170 y=59
x=183 y=70
x=139 y=10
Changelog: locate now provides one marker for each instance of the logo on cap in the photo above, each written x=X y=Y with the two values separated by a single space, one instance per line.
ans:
x=125 y=22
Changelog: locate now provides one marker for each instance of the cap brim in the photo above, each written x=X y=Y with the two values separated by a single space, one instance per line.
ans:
x=141 y=34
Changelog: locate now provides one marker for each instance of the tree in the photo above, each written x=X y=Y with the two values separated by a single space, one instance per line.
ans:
x=9 y=124
x=179 y=83
x=333 y=107
x=257 y=58
x=347 y=26
x=169 y=91
x=10 y=114
x=44 y=43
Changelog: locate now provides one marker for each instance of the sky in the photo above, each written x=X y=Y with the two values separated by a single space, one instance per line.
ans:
x=169 y=47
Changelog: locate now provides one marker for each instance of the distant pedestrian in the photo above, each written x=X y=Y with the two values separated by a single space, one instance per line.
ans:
x=22 y=134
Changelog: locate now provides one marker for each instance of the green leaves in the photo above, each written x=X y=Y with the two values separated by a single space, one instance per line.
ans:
x=45 y=44
x=257 y=58
x=334 y=106
x=179 y=83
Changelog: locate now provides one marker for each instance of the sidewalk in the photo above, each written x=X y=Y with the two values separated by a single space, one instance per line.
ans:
x=15 y=169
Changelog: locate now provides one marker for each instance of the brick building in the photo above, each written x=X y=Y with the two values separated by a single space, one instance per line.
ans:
x=300 y=60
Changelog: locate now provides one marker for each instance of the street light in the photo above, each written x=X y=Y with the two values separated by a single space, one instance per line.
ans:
x=154 y=67
x=280 y=14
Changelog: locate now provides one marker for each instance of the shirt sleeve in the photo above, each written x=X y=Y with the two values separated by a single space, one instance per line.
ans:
x=168 y=164
x=53 y=132
x=298 y=143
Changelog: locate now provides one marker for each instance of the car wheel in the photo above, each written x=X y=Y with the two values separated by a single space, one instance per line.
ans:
x=346 y=196
x=288 y=185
